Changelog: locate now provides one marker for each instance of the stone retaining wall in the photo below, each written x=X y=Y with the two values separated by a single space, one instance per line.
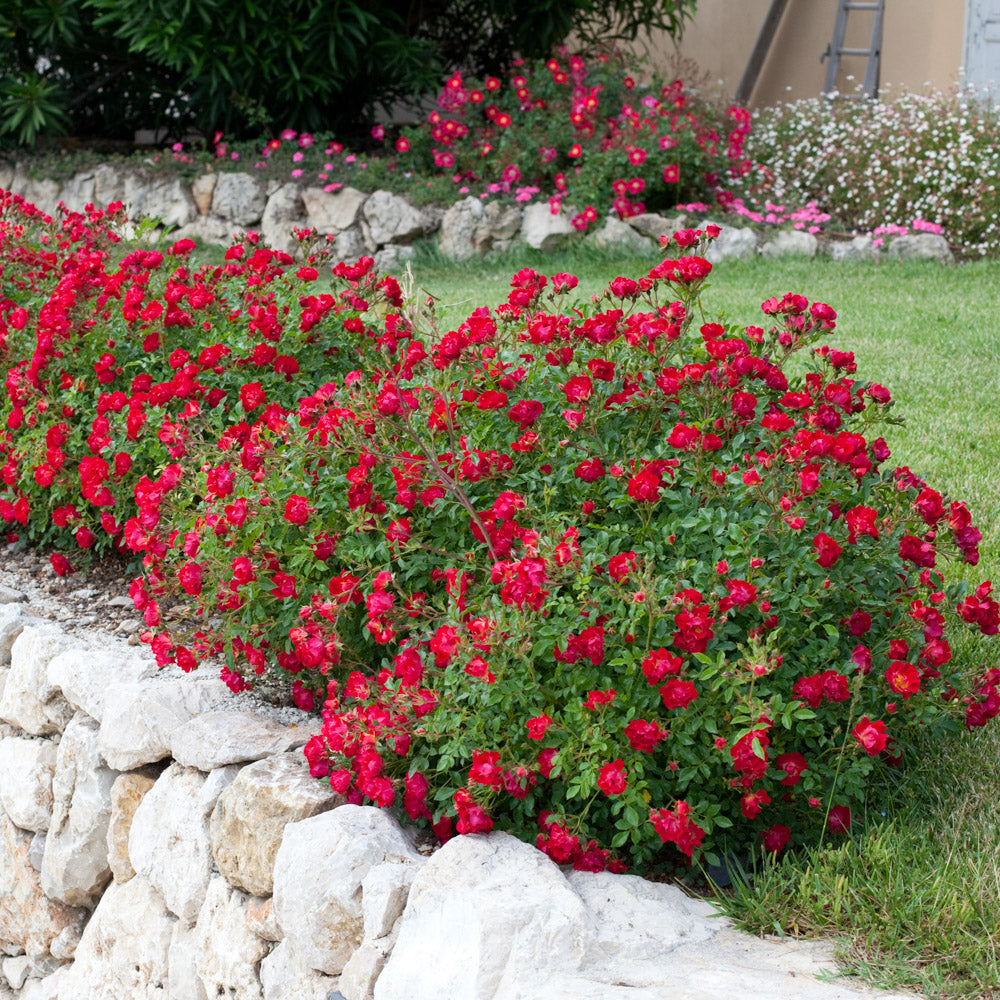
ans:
x=160 y=838
x=216 y=205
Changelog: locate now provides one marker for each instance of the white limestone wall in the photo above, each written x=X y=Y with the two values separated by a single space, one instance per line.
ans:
x=158 y=839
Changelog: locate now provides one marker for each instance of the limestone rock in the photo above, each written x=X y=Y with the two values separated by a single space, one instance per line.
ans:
x=432 y=216
x=249 y=819
x=49 y=988
x=460 y=228
x=127 y=791
x=260 y=918
x=15 y=970
x=26 y=769
x=203 y=191
x=177 y=866
x=166 y=199
x=616 y=234
x=78 y=191
x=860 y=248
x=29 y=921
x=542 y=230
x=501 y=223
x=85 y=673
x=29 y=700
x=332 y=212
x=392 y=219
x=357 y=981
x=634 y=923
x=349 y=245
x=8 y=595
x=6 y=176
x=140 y=719
x=485 y=915
x=791 y=243
x=75 y=864
x=229 y=953
x=215 y=739
x=36 y=851
x=321 y=916
x=182 y=965
x=654 y=226
x=206 y=229
x=238 y=198
x=123 y=952
x=283 y=213
x=109 y=185
x=43 y=194
x=383 y=897
x=284 y=977
x=732 y=244
x=392 y=259
x=13 y=619
x=921 y=246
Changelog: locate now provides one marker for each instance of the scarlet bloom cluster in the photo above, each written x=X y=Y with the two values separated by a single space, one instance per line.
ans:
x=565 y=125
x=599 y=575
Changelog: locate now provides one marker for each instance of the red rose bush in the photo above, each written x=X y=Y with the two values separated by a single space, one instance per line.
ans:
x=607 y=575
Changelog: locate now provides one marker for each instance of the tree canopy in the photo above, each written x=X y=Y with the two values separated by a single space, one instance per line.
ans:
x=104 y=68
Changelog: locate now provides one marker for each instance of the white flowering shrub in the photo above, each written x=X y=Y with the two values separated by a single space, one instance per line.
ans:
x=917 y=162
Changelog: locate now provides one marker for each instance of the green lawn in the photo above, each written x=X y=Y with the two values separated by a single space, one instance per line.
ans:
x=915 y=895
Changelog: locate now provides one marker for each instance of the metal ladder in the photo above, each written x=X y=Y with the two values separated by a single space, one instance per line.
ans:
x=873 y=53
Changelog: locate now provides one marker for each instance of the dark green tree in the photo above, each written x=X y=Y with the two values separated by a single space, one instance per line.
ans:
x=103 y=68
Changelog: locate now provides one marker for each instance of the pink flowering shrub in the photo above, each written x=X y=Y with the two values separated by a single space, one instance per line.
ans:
x=606 y=575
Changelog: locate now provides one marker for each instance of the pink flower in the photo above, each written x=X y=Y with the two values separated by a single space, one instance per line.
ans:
x=284 y=586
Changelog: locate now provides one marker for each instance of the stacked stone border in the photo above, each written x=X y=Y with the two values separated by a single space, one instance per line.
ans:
x=215 y=206
x=163 y=840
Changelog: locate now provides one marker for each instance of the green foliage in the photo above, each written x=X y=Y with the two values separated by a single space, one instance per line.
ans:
x=82 y=80
x=580 y=130
x=30 y=107
x=598 y=572
x=119 y=66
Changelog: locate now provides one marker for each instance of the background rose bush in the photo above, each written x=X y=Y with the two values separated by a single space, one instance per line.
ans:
x=606 y=574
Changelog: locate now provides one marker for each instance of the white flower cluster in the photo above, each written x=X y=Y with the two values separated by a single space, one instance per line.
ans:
x=933 y=157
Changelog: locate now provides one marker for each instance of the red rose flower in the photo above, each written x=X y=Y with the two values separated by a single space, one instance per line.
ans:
x=611 y=780
x=871 y=735
x=297 y=509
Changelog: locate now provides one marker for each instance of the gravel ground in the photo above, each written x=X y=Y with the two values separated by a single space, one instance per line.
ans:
x=95 y=604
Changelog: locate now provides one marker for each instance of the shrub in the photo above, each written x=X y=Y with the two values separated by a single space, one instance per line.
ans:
x=878 y=165
x=580 y=130
x=604 y=574
x=107 y=68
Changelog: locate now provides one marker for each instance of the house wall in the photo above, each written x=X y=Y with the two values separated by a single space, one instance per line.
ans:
x=922 y=44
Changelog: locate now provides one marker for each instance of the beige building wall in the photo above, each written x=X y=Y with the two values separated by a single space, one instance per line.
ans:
x=921 y=44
